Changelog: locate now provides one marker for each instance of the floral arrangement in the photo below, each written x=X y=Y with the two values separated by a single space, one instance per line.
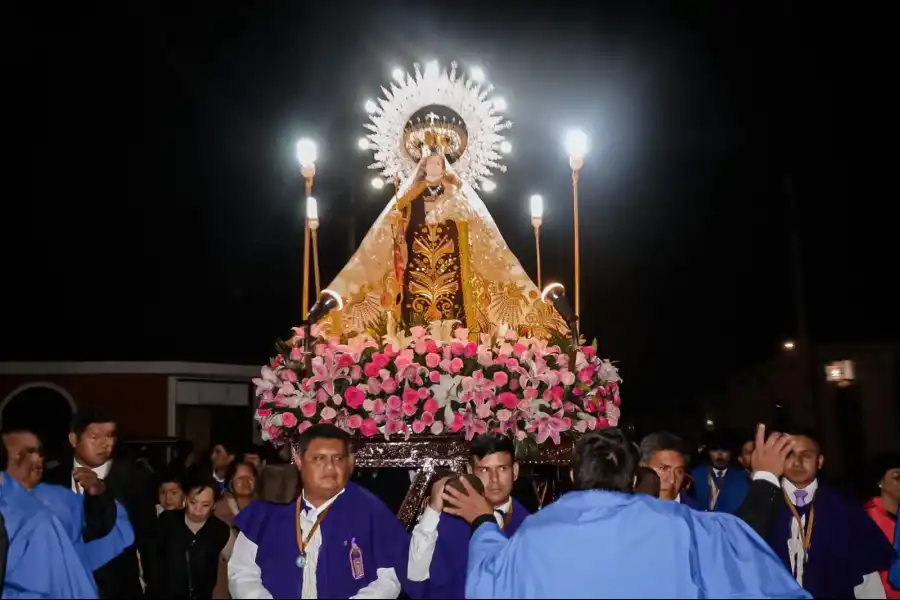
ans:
x=438 y=380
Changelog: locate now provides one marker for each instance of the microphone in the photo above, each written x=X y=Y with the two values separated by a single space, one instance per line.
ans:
x=328 y=301
x=555 y=294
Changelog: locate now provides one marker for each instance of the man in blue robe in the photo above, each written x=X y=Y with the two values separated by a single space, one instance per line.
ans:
x=719 y=486
x=439 y=548
x=96 y=524
x=41 y=560
x=601 y=541
x=336 y=541
x=829 y=543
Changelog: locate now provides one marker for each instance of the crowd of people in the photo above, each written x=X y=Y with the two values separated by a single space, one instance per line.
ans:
x=636 y=523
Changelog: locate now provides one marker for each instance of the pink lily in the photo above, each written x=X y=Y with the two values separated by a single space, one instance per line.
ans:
x=550 y=427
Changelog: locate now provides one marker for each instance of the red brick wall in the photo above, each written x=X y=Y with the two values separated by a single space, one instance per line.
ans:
x=137 y=402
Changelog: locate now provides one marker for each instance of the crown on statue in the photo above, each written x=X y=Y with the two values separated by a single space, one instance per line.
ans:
x=432 y=134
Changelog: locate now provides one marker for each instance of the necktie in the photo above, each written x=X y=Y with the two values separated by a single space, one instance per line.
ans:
x=500 y=515
x=719 y=478
x=800 y=496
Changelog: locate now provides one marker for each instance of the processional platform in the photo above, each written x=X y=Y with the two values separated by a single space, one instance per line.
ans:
x=429 y=454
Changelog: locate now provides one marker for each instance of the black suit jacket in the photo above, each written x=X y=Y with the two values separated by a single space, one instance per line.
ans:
x=760 y=507
x=130 y=486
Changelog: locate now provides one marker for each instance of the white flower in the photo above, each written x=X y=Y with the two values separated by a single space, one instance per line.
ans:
x=447 y=390
x=395 y=338
x=609 y=372
x=442 y=331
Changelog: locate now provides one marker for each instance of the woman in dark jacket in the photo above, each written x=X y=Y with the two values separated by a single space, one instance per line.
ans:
x=187 y=546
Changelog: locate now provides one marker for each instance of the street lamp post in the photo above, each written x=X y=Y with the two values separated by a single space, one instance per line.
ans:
x=312 y=220
x=307 y=155
x=537 y=218
x=577 y=147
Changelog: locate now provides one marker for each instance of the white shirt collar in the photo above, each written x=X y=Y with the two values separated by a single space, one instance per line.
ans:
x=102 y=471
x=719 y=472
x=217 y=478
x=677 y=499
x=505 y=507
x=789 y=489
x=312 y=513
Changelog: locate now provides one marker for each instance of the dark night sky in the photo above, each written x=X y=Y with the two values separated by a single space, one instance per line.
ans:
x=151 y=207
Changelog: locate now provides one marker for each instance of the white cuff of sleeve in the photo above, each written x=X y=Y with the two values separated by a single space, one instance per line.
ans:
x=430 y=519
x=766 y=476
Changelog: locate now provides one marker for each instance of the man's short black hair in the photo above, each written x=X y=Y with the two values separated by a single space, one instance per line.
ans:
x=199 y=482
x=170 y=476
x=660 y=442
x=808 y=433
x=321 y=431
x=86 y=417
x=228 y=446
x=604 y=459
x=491 y=443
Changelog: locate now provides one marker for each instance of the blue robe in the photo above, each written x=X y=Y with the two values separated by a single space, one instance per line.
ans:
x=69 y=509
x=355 y=515
x=41 y=561
x=686 y=500
x=733 y=489
x=597 y=544
x=447 y=575
x=846 y=545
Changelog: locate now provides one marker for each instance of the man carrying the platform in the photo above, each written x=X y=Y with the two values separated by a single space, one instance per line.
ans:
x=336 y=540
x=439 y=548
x=603 y=541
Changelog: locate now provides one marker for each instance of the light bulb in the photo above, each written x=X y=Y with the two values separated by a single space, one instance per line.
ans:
x=537 y=206
x=371 y=106
x=488 y=185
x=377 y=183
x=505 y=147
x=499 y=104
x=576 y=144
x=477 y=74
x=306 y=152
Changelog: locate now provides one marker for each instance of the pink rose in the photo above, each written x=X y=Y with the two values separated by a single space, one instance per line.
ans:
x=432 y=361
x=484 y=411
x=471 y=350
x=355 y=373
x=456 y=365
x=369 y=427
x=304 y=426
x=557 y=392
x=508 y=400
x=500 y=378
x=344 y=361
x=374 y=386
x=354 y=397
x=521 y=435
x=436 y=428
x=327 y=414
x=390 y=351
x=418 y=332
x=457 y=348
x=434 y=377
x=428 y=418
x=423 y=393
x=589 y=352
x=568 y=378
x=388 y=385
x=394 y=402
x=512 y=364
x=602 y=422
x=430 y=405
x=308 y=409
x=371 y=369
x=421 y=347
x=410 y=396
x=431 y=346
x=410 y=409
x=279 y=401
x=519 y=349
x=504 y=415
x=418 y=426
x=296 y=354
x=354 y=421
x=380 y=360
x=378 y=406
x=263 y=413
x=273 y=432
x=586 y=375
x=524 y=405
x=577 y=391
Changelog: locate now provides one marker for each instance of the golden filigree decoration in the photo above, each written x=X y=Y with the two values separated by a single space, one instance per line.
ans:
x=434 y=273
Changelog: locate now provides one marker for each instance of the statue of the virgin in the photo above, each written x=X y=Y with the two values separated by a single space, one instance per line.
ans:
x=435 y=253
